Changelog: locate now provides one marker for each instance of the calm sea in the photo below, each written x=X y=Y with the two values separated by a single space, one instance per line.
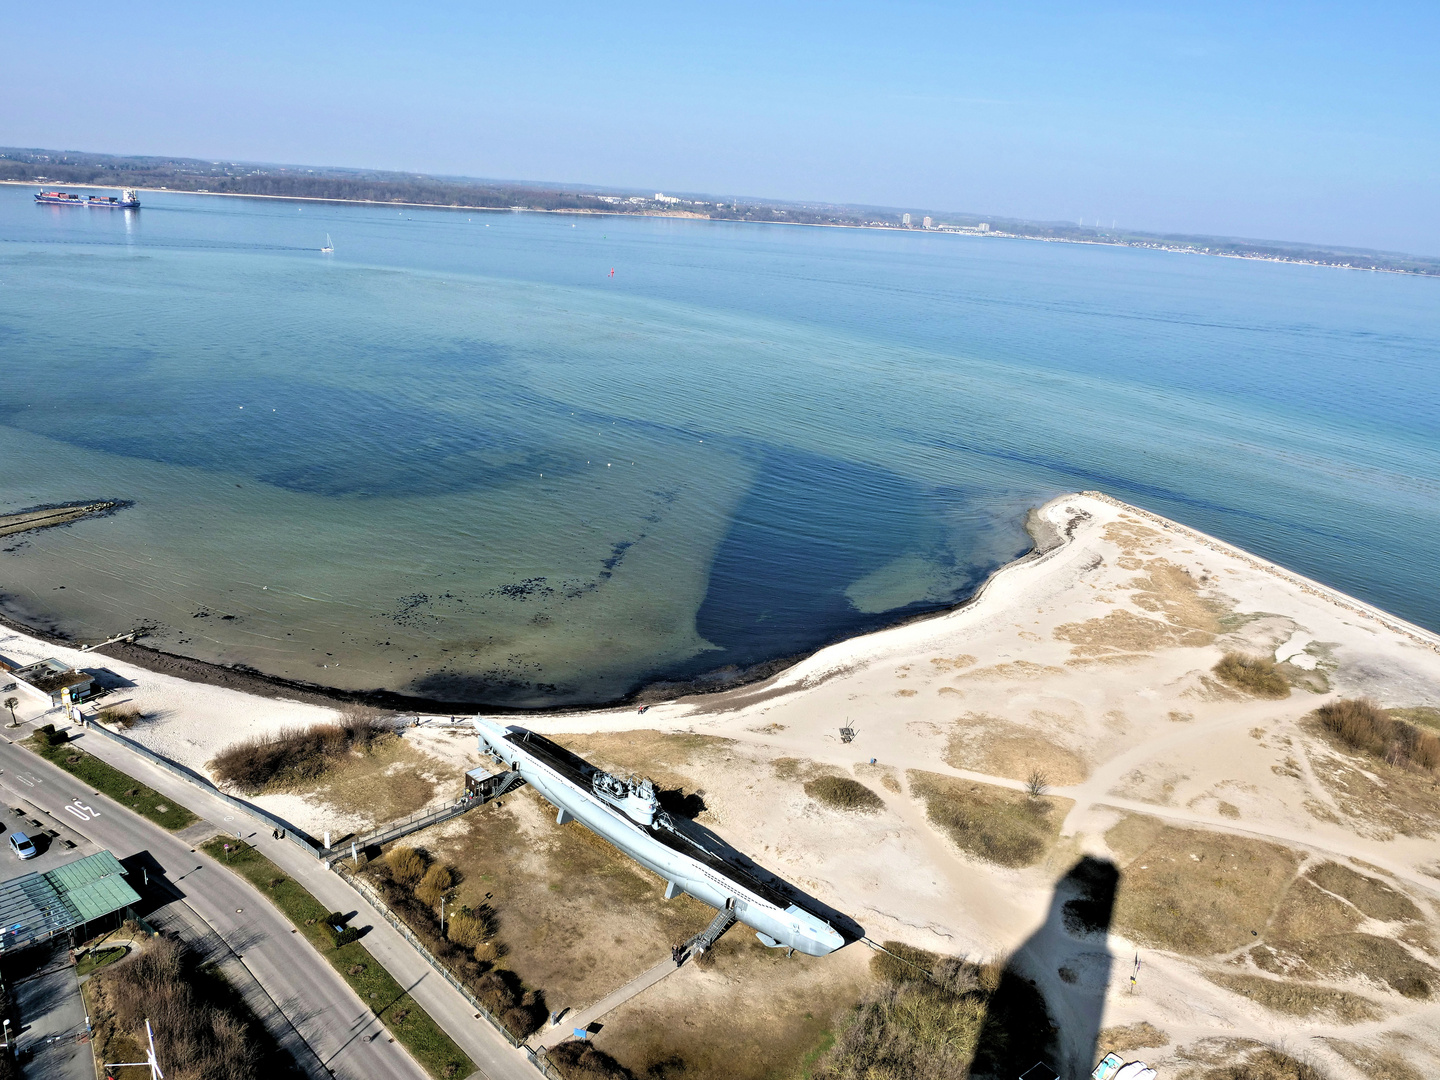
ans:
x=458 y=458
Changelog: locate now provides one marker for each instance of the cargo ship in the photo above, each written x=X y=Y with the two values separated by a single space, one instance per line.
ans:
x=129 y=200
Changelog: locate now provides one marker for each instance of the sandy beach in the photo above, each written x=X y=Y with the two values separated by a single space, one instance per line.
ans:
x=1088 y=663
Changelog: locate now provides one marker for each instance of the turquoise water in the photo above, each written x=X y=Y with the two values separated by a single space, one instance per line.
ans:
x=459 y=459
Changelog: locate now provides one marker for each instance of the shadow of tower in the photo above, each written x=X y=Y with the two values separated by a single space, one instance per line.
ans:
x=1051 y=997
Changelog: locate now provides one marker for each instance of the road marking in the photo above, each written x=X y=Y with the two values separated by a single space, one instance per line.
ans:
x=77 y=812
x=24 y=779
x=88 y=809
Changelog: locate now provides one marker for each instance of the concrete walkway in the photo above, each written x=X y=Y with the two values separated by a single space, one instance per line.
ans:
x=609 y=1003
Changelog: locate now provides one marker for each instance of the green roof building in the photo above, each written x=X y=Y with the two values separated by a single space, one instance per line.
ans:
x=38 y=906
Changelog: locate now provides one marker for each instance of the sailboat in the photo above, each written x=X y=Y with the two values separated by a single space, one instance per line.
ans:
x=329 y=248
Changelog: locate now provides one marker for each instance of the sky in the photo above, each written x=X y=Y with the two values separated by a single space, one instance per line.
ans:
x=1310 y=122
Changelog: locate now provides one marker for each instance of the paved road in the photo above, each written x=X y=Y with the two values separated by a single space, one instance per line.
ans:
x=322 y=1007
x=496 y=1058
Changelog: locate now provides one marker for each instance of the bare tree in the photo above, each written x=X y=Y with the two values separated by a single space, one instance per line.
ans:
x=1037 y=783
x=10 y=704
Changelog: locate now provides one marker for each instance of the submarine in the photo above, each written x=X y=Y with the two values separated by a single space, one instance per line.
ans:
x=626 y=811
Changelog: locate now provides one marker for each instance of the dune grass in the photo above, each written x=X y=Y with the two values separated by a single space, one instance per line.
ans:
x=411 y=1025
x=1193 y=891
x=1256 y=675
x=1293 y=998
x=992 y=823
x=296 y=755
x=108 y=780
x=842 y=793
x=1267 y=1063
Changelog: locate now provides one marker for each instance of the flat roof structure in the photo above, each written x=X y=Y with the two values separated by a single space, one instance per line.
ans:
x=40 y=905
x=51 y=676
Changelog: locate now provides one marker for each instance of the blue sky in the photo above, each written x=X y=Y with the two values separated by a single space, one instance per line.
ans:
x=1316 y=122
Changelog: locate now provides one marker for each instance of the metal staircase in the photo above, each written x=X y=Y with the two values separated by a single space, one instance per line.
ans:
x=702 y=941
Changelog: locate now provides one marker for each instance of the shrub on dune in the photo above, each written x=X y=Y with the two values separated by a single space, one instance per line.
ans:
x=1362 y=725
x=1255 y=675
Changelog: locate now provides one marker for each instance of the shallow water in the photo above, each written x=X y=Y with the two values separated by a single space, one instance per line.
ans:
x=459 y=459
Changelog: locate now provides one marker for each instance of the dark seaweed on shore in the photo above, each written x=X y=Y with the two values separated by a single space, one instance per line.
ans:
x=413 y=611
x=534 y=588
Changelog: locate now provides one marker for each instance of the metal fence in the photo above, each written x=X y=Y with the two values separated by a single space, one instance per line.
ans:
x=541 y=1062
x=290 y=833
x=421 y=819
x=373 y=898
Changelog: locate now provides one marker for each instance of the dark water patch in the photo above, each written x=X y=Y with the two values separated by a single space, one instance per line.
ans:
x=502 y=687
x=316 y=439
x=617 y=552
x=807 y=531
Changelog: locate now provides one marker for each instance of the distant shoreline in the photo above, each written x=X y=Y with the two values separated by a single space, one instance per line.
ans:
x=685 y=215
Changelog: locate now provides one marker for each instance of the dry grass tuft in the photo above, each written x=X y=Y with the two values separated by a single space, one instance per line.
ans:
x=992 y=823
x=124 y=717
x=842 y=793
x=1299 y=999
x=1266 y=1064
x=407 y=866
x=1141 y=1036
x=295 y=755
x=470 y=928
x=438 y=880
x=576 y=1060
x=1362 y=725
x=1256 y=675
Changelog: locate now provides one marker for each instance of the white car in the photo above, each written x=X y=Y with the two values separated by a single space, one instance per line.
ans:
x=22 y=845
